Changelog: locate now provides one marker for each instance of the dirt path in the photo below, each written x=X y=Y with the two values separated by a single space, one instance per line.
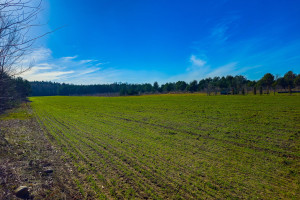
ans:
x=27 y=158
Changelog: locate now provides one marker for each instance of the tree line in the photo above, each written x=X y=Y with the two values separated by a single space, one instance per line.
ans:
x=216 y=85
x=14 y=90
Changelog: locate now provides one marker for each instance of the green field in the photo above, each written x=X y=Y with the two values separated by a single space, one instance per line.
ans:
x=178 y=146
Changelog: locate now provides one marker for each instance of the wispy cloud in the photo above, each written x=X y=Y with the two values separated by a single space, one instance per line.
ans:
x=221 y=31
x=48 y=76
x=197 y=61
x=200 y=69
x=47 y=68
x=86 y=61
x=69 y=58
x=88 y=71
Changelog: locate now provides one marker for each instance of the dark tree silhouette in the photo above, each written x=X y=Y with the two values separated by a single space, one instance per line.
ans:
x=267 y=80
x=282 y=82
x=180 y=86
x=233 y=84
x=289 y=77
x=193 y=86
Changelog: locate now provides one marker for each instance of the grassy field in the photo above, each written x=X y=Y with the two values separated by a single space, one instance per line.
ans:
x=178 y=146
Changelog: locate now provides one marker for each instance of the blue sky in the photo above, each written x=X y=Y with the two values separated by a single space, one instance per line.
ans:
x=137 y=41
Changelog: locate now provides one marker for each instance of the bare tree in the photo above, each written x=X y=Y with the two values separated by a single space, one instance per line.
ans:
x=17 y=17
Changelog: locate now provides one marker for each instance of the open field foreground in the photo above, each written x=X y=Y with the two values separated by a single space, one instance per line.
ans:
x=178 y=146
x=27 y=155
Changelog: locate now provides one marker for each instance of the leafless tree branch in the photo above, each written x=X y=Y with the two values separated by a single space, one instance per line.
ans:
x=16 y=19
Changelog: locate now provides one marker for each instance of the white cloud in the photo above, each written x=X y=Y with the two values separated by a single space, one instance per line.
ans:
x=48 y=76
x=35 y=56
x=68 y=58
x=99 y=64
x=196 y=61
x=45 y=67
x=197 y=70
x=200 y=69
x=88 y=71
x=86 y=61
x=40 y=54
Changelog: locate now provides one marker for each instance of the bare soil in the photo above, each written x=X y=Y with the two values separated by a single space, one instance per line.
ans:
x=25 y=156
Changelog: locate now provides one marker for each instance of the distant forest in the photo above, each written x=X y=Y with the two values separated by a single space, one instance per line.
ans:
x=217 y=85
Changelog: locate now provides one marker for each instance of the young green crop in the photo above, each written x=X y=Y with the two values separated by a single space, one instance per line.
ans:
x=185 y=146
